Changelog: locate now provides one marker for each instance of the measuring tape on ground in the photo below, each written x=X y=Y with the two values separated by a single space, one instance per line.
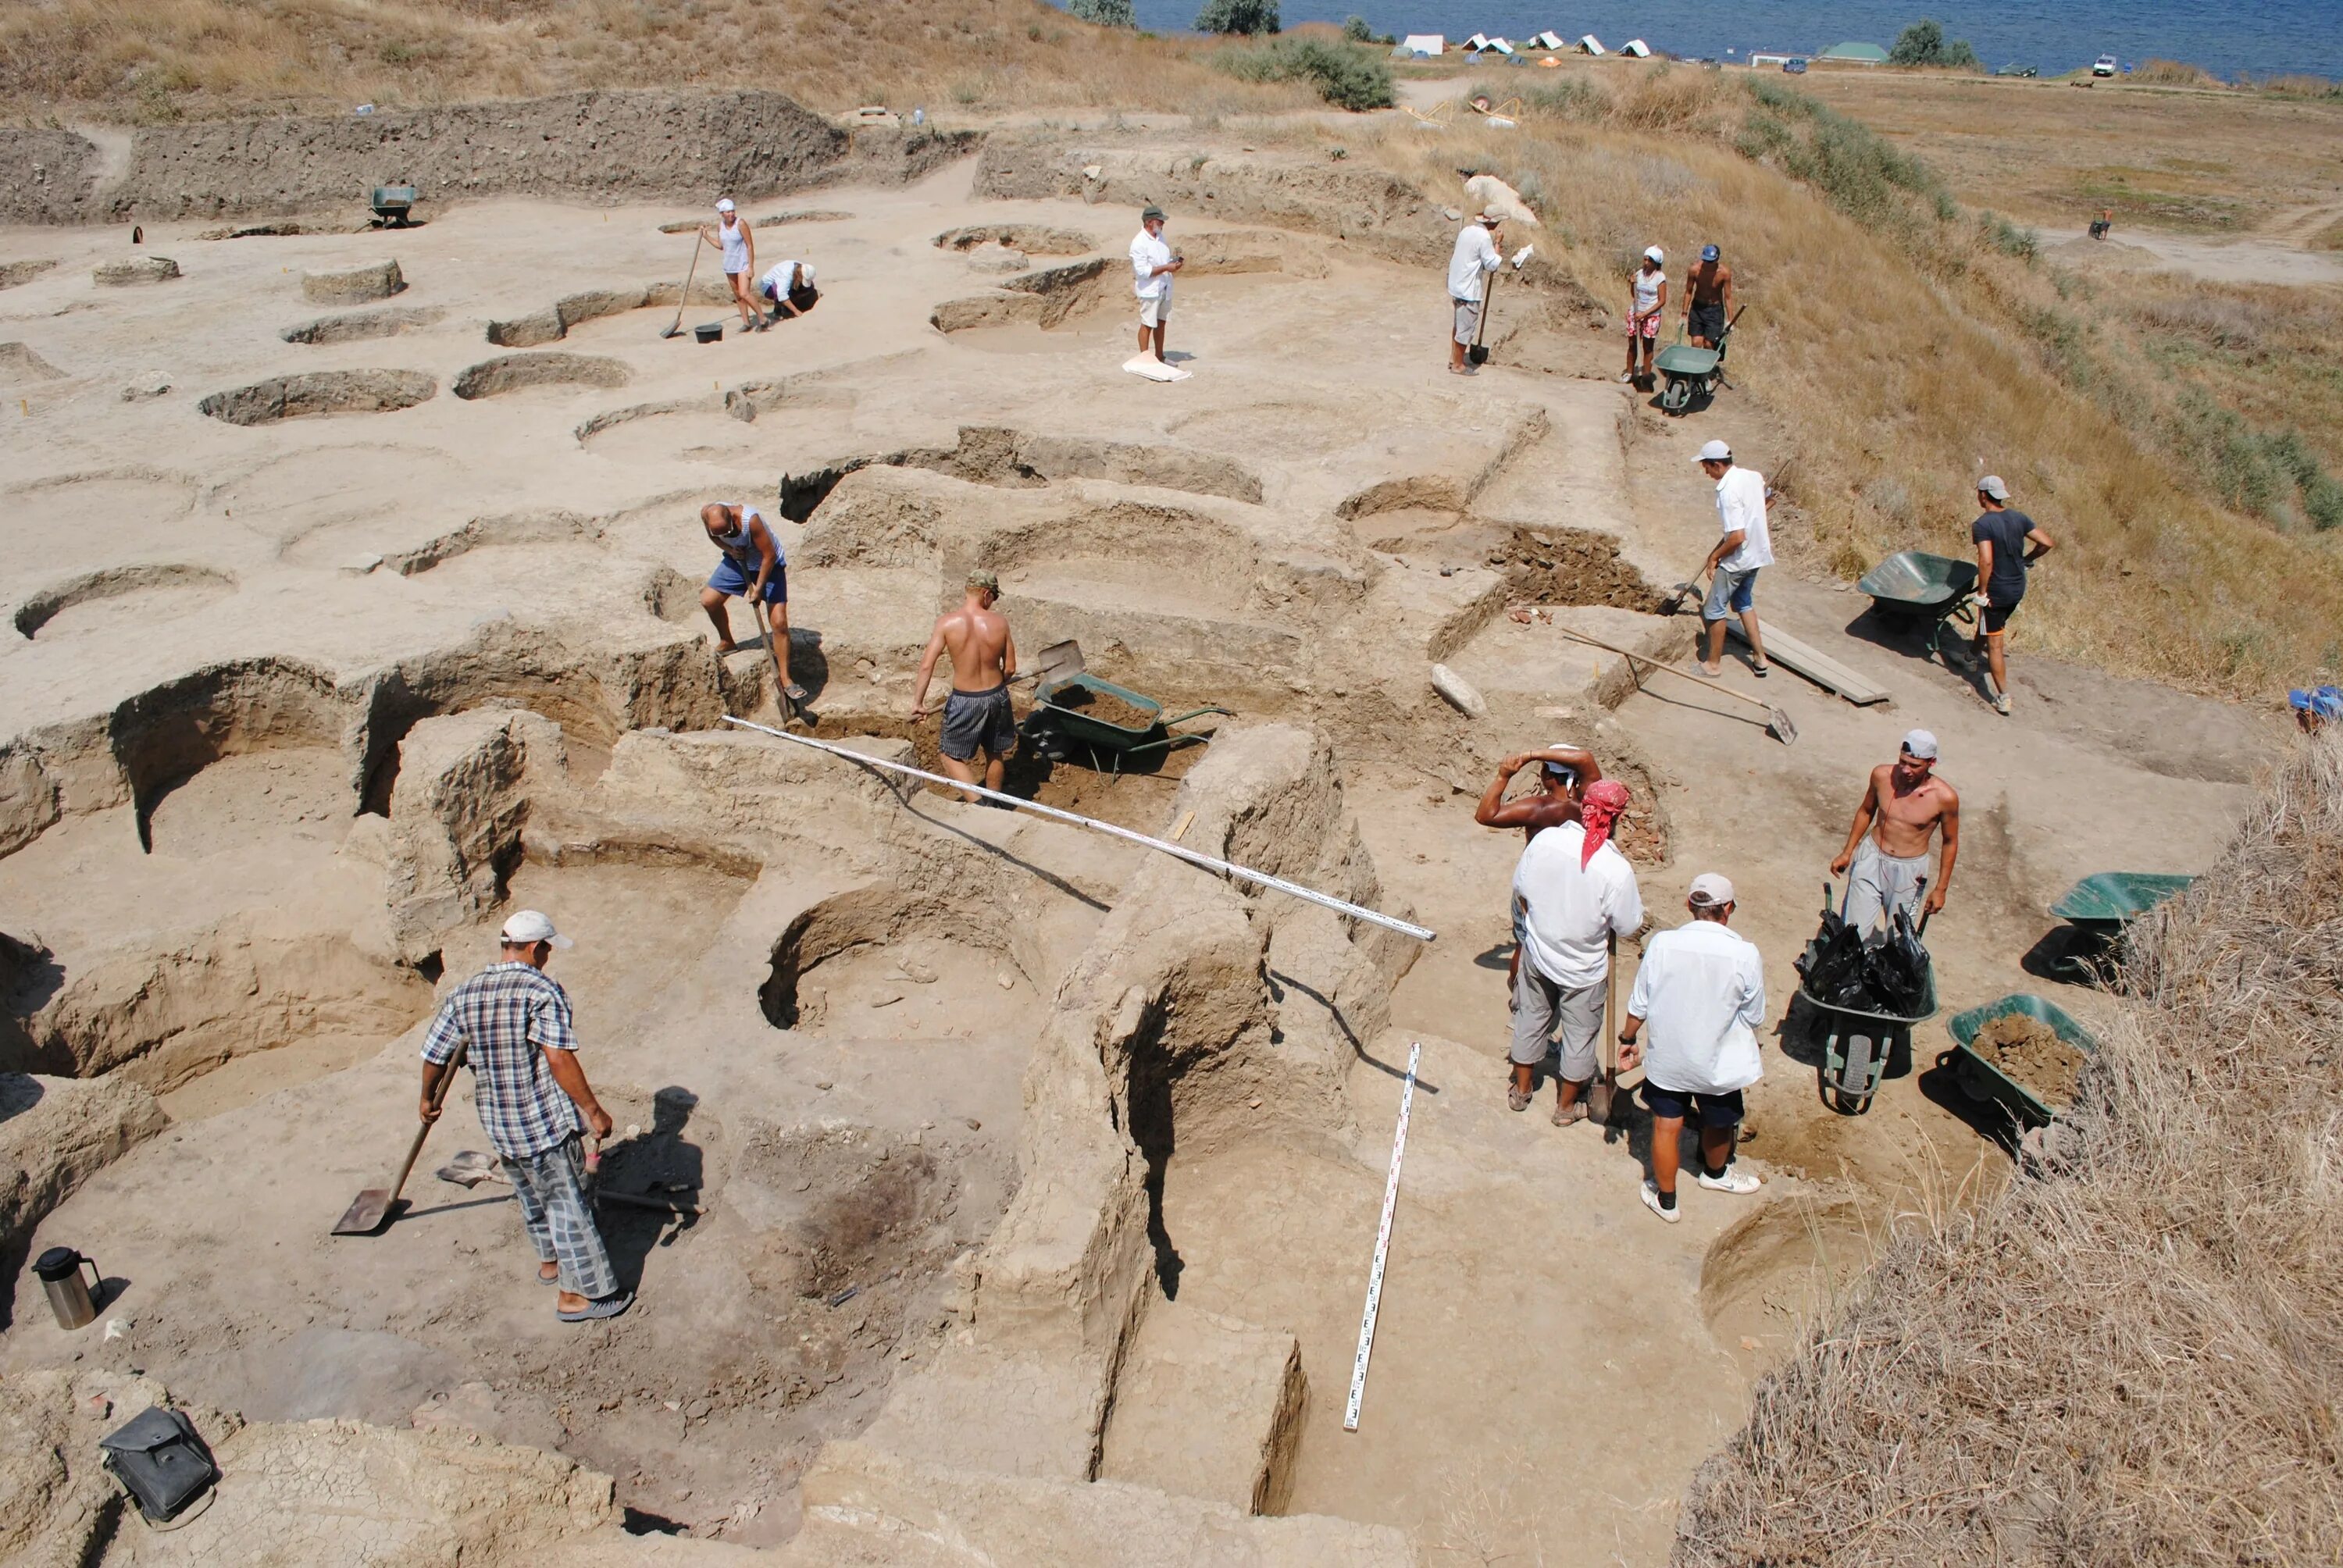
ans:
x=1383 y=1244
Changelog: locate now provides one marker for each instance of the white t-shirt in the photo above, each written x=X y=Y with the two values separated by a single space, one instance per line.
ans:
x=779 y=279
x=1701 y=993
x=1570 y=907
x=1148 y=252
x=1474 y=257
x=1741 y=508
x=735 y=240
x=1647 y=290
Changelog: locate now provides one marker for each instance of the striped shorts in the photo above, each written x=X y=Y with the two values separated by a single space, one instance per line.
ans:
x=551 y=1188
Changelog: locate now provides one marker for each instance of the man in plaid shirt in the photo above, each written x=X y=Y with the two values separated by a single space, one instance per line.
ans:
x=513 y=1021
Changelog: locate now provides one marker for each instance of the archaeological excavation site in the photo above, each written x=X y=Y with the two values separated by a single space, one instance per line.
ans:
x=991 y=1189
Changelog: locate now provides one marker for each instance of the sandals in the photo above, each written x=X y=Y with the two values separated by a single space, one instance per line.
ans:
x=607 y=1307
x=794 y=692
x=1761 y=671
x=1570 y=1115
x=552 y=1279
x=1516 y=1099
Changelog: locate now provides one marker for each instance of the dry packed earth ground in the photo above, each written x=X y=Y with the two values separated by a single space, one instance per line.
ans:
x=1039 y=1172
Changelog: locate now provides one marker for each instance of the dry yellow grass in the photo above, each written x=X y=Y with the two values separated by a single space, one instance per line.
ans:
x=2137 y=1359
x=161 y=59
x=1899 y=351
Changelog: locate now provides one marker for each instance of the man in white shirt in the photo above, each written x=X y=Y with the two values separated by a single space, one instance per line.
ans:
x=1743 y=546
x=1469 y=267
x=1152 y=266
x=1701 y=990
x=1575 y=891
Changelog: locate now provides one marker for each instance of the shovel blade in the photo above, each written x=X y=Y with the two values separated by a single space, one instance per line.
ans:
x=1598 y=1102
x=365 y=1215
x=1779 y=723
x=1058 y=661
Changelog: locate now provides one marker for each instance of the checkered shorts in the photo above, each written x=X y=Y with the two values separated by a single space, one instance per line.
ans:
x=554 y=1210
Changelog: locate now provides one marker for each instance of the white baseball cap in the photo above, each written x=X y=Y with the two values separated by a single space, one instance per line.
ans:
x=528 y=926
x=1920 y=743
x=805 y=273
x=1653 y=253
x=1713 y=452
x=1710 y=891
x=724 y=204
x=1991 y=484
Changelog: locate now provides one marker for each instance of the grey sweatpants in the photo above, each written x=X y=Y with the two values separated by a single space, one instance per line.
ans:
x=1542 y=1009
x=1877 y=883
x=559 y=1221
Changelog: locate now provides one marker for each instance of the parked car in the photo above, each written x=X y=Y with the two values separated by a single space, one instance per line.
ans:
x=1795 y=67
x=2105 y=65
x=2014 y=69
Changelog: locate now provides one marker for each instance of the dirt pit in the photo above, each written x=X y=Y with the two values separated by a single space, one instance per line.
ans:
x=518 y=372
x=1571 y=565
x=2029 y=1052
x=357 y=325
x=1107 y=709
x=321 y=393
x=251 y=804
x=1776 y=1269
x=923 y=988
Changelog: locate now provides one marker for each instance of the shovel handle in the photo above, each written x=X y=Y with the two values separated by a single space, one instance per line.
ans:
x=438 y=1099
x=1717 y=686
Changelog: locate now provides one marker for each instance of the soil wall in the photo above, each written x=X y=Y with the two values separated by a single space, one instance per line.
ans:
x=594 y=145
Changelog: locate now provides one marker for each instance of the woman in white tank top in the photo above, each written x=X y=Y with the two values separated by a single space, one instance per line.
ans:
x=732 y=237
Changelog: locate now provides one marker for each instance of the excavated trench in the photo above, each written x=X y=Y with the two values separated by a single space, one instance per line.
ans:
x=357 y=325
x=884 y=964
x=161 y=587
x=518 y=372
x=320 y=393
x=1033 y=238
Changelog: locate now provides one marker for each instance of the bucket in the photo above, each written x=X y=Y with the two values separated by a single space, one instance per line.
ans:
x=712 y=332
x=59 y=1272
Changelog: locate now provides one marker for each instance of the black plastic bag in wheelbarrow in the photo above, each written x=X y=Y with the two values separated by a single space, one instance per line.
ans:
x=1832 y=966
x=1897 y=969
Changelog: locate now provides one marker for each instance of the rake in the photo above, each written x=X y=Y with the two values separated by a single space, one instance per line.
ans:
x=1776 y=721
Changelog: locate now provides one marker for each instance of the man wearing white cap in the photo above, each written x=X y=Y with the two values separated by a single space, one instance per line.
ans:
x=513 y=1021
x=1701 y=993
x=2007 y=542
x=1647 y=300
x=733 y=240
x=1469 y=267
x=789 y=286
x=1744 y=545
x=1886 y=856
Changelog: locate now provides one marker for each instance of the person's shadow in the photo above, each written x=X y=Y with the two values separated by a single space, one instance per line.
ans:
x=658 y=1164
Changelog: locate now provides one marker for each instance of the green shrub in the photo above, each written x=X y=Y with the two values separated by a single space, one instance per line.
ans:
x=1356 y=29
x=1250 y=17
x=1924 y=43
x=1105 y=12
x=2271 y=474
x=1347 y=77
x=2007 y=237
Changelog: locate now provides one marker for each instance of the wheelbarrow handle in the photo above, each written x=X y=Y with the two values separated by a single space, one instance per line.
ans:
x=1194 y=713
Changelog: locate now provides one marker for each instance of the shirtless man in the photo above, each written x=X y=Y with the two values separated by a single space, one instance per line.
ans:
x=1709 y=299
x=751 y=566
x=983 y=659
x=1903 y=807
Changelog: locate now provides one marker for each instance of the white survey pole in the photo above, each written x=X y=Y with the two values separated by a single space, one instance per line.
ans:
x=1383 y=1244
x=1226 y=867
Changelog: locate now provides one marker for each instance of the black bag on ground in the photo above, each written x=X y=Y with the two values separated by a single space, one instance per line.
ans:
x=1898 y=969
x=161 y=1461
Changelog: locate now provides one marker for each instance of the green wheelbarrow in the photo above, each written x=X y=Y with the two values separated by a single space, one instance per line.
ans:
x=1691 y=372
x=1982 y=1082
x=2100 y=909
x=1916 y=587
x=1066 y=706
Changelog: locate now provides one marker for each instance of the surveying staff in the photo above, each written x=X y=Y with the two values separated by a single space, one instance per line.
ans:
x=977 y=714
x=1469 y=267
x=732 y=238
x=513 y=1020
x=1701 y=990
x=1904 y=806
x=2007 y=542
x=1574 y=890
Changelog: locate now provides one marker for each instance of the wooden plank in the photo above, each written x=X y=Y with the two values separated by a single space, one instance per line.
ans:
x=1820 y=668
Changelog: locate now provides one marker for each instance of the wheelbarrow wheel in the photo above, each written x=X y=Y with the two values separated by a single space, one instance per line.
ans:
x=1857 y=1079
x=1676 y=396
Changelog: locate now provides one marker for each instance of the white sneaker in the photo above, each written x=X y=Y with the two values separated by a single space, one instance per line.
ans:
x=1732 y=1182
x=1652 y=1201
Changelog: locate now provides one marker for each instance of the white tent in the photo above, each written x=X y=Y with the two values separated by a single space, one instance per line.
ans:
x=1498 y=47
x=1590 y=44
x=1476 y=43
x=1430 y=44
x=1546 y=40
x=1637 y=47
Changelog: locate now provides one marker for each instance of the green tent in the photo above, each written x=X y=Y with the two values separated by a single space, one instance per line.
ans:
x=1860 y=53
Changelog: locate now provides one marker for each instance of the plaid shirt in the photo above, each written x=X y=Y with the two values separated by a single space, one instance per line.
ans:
x=505 y=1014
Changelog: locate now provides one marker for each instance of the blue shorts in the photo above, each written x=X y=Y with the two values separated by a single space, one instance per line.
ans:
x=728 y=578
x=1710 y=1111
x=1730 y=593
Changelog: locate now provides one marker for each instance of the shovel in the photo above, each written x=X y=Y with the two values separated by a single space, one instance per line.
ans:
x=1053 y=664
x=684 y=299
x=1479 y=353
x=1777 y=723
x=762 y=613
x=1673 y=604
x=367 y=1211
x=1598 y=1093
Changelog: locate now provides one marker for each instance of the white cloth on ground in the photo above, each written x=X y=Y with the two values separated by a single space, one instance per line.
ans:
x=1741 y=508
x=1571 y=905
x=1701 y=993
x=1474 y=257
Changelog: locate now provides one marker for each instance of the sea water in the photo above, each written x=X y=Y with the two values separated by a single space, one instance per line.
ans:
x=2268 y=37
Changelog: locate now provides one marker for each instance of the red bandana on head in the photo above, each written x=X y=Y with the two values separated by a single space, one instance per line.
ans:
x=1606 y=799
